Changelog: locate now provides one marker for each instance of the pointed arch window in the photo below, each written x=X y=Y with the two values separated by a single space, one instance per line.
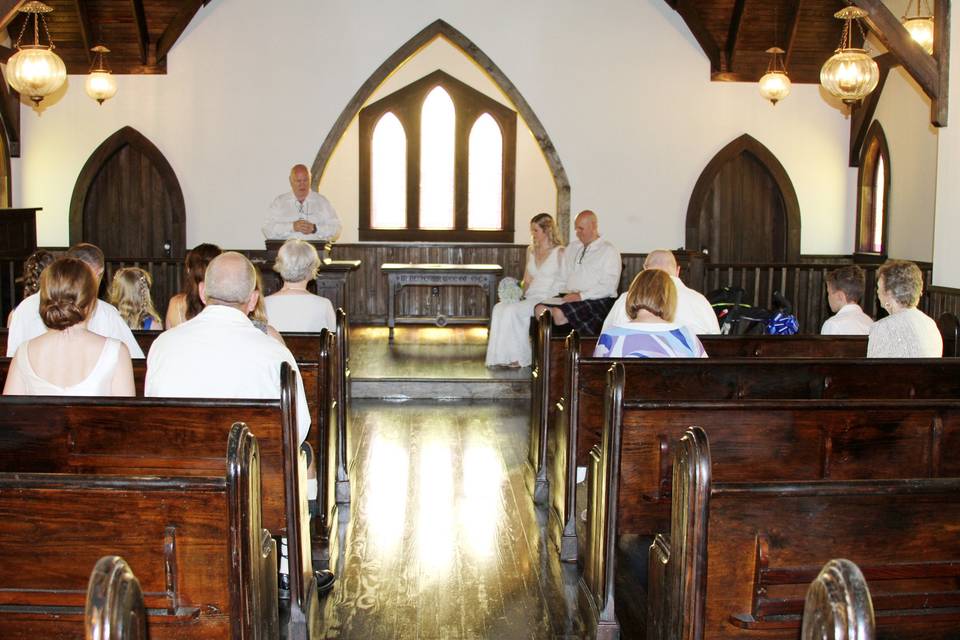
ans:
x=440 y=156
x=873 y=194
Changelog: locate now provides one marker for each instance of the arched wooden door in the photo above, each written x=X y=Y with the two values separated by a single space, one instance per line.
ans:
x=128 y=200
x=744 y=207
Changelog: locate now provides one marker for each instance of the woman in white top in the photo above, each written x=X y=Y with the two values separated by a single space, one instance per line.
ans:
x=69 y=360
x=907 y=332
x=293 y=308
x=509 y=340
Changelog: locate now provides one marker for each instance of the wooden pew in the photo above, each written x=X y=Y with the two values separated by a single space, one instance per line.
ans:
x=838 y=604
x=206 y=565
x=739 y=553
x=550 y=355
x=114 y=608
x=106 y=436
x=580 y=411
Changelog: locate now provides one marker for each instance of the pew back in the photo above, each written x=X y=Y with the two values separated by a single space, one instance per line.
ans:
x=205 y=565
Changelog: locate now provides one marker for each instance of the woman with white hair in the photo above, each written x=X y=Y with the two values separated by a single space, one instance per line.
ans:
x=907 y=332
x=293 y=308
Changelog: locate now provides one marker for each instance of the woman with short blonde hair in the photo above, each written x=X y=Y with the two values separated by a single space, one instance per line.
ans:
x=907 y=332
x=293 y=308
x=651 y=305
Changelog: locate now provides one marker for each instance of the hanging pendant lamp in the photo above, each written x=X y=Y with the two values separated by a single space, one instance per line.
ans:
x=920 y=25
x=100 y=85
x=850 y=74
x=35 y=70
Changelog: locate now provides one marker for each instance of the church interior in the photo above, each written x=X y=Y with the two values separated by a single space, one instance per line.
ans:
x=785 y=487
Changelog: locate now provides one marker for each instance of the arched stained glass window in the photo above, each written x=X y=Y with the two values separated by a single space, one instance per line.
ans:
x=437 y=164
x=437 y=148
x=388 y=174
x=485 y=191
x=873 y=193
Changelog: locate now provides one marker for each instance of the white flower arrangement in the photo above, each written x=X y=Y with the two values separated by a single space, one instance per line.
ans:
x=509 y=290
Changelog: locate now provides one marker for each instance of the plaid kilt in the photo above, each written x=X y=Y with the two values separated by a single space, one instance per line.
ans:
x=587 y=316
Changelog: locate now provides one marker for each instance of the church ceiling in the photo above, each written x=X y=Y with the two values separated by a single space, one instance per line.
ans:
x=139 y=33
x=735 y=35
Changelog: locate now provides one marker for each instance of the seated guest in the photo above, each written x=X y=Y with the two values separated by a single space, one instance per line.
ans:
x=258 y=315
x=69 y=360
x=130 y=294
x=591 y=273
x=693 y=309
x=293 y=308
x=187 y=304
x=844 y=289
x=907 y=332
x=509 y=339
x=106 y=321
x=651 y=331
x=32 y=267
x=219 y=353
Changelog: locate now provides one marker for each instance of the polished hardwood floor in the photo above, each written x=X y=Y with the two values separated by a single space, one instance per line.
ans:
x=442 y=539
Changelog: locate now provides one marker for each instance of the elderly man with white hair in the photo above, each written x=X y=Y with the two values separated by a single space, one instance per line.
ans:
x=293 y=308
x=693 y=310
x=219 y=353
x=301 y=212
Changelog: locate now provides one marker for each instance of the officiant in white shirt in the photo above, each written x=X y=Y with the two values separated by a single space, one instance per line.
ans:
x=301 y=213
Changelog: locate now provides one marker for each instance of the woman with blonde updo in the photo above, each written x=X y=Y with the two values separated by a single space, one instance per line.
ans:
x=651 y=331
x=509 y=339
x=69 y=360
x=130 y=294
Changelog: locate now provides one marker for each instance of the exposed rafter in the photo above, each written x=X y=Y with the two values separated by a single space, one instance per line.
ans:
x=863 y=114
x=941 y=53
x=175 y=29
x=143 y=35
x=792 y=33
x=8 y=11
x=733 y=34
x=86 y=30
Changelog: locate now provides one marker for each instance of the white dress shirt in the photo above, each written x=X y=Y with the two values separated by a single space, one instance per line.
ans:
x=220 y=354
x=592 y=271
x=105 y=321
x=693 y=310
x=286 y=209
x=849 y=321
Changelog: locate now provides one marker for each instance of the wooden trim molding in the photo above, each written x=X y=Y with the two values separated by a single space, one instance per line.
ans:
x=863 y=114
x=746 y=144
x=437 y=29
x=128 y=136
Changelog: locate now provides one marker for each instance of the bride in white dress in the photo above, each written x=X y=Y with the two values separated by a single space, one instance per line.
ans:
x=509 y=341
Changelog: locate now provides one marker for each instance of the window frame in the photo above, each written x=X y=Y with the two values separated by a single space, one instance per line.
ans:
x=406 y=104
x=874 y=148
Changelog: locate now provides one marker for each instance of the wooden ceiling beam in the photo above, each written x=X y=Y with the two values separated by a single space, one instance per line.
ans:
x=920 y=65
x=941 y=53
x=86 y=30
x=736 y=20
x=688 y=11
x=143 y=36
x=792 y=33
x=176 y=27
x=863 y=114
x=8 y=11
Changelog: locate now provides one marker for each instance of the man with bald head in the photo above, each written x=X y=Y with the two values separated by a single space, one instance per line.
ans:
x=693 y=310
x=301 y=212
x=591 y=272
x=219 y=353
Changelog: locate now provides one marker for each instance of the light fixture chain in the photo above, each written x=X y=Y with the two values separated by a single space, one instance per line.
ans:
x=36 y=28
x=23 y=28
x=47 y=31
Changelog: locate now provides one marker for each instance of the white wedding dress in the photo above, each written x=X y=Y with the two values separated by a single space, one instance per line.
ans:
x=509 y=339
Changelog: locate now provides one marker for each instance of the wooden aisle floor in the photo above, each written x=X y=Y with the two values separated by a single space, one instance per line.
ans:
x=443 y=540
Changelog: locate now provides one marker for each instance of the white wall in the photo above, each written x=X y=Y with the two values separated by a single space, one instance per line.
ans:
x=904 y=113
x=623 y=91
x=535 y=189
x=946 y=258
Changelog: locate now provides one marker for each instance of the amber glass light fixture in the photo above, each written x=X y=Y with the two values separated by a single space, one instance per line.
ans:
x=920 y=25
x=775 y=84
x=100 y=85
x=850 y=74
x=35 y=70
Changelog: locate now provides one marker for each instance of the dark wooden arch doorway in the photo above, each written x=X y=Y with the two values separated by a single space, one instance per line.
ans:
x=744 y=207
x=128 y=201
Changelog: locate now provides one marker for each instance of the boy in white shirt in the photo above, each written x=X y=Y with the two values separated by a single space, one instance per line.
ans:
x=844 y=289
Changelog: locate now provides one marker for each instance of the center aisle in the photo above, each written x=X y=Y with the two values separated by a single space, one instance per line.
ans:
x=443 y=540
